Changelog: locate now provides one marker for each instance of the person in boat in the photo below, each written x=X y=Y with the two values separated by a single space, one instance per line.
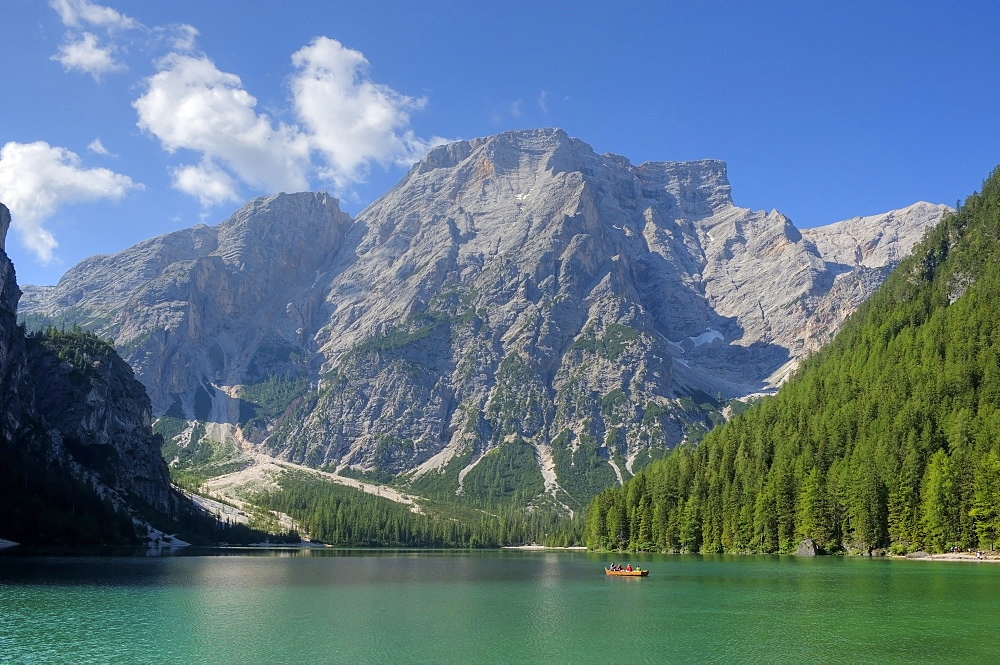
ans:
x=628 y=568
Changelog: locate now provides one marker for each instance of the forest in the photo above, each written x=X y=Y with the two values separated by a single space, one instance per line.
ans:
x=343 y=516
x=888 y=439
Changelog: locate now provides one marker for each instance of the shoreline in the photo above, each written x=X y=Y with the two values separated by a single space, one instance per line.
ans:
x=990 y=557
x=533 y=547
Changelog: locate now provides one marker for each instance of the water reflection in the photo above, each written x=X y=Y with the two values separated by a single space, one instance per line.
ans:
x=326 y=605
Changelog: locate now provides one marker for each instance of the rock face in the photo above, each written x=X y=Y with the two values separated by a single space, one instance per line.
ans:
x=807 y=547
x=190 y=309
x=13 y=366
x=101 y=416
x=74 y=413
x=518 y=312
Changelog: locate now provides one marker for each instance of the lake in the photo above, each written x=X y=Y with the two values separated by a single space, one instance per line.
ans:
x=271 y=606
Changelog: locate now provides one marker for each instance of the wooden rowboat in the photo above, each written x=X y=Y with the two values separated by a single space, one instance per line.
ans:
x=626 y=573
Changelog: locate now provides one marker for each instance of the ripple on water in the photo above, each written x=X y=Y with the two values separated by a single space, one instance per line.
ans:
x=493 y=607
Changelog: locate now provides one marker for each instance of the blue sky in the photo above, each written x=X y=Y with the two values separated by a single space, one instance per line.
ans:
x=123 y=120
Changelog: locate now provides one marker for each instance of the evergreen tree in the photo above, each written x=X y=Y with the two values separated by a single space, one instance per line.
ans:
x=887 y=437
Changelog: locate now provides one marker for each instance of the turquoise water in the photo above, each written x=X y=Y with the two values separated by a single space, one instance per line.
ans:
x=509 y=606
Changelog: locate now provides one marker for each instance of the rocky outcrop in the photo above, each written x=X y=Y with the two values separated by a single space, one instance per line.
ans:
x=74 y=428
x=518 y=311
x=101 y=416
x=807 y=547
x=12 y=363
x=200 y=311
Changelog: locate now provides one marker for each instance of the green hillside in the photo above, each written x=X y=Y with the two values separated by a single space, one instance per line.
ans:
x=887 y=438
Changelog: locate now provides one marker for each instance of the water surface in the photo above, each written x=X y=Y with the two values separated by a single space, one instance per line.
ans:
x=510 y=606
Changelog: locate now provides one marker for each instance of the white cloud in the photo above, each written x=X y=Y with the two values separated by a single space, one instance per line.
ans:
x=515 y=108
x=348 y=122
x=189 y=104
x=82 y=50
x=183 y=37
x=352 y=121
x=37 y=178
x=96 y=146
x=543 y=101
x=76 y=13
x=88 y=56
x=206 y=182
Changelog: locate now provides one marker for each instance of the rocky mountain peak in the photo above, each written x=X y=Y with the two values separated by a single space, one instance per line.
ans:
x=215 y=293
x=694 y=188
x=853 y=242
x=516 y=301
x=279 y=231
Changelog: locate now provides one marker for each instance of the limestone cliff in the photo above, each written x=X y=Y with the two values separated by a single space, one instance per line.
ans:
x=80 y=462
x=12 y=355
x=518 y=311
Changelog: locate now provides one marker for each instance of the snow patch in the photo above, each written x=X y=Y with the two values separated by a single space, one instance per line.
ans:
x=707 y=337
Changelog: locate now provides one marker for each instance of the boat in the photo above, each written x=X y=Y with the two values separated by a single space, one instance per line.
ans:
x=626 y=573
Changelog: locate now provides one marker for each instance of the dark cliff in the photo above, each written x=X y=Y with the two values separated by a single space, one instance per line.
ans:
x=79 y=463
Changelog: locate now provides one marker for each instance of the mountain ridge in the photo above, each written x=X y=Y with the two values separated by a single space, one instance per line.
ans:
x=885 y=442
x=516 y=293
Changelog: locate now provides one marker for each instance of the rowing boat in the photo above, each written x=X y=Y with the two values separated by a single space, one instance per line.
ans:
x=626 y=573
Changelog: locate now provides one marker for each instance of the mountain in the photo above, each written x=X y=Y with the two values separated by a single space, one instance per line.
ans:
x=886 y=439
x=80 y=462
x=520 y=318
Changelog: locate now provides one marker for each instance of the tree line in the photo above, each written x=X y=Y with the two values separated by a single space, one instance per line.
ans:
x=888 y=438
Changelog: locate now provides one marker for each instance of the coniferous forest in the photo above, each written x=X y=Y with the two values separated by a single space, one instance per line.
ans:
x=886 y=439
x=346 y=517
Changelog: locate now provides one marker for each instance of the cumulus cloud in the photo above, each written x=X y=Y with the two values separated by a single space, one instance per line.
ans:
x=87 y=55
x=340 y=122
x=189 y=104
x=83 y=50
x=351 y=120
x=347 y=122
x=77 y=13
x=37 y=178
x=206 y=182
